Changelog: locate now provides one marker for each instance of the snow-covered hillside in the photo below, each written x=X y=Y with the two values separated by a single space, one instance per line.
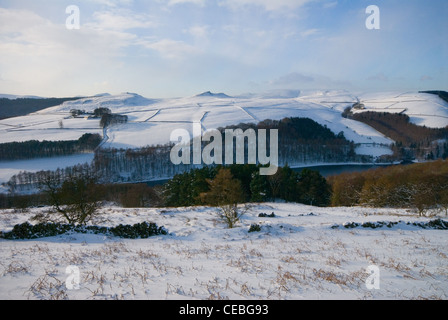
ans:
x=298 y=254
x=152 y=120
x=423 y=109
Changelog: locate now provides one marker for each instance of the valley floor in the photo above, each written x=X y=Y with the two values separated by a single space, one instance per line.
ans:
x=296 y=255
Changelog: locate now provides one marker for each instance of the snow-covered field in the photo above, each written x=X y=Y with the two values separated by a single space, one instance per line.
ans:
x=46 y=126
x=296 y=255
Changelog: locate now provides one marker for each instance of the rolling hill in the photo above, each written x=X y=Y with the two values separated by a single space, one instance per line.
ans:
x=152 y=120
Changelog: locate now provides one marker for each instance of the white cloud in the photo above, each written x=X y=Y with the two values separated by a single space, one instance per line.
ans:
x=309 y=32
x=198 y=31
x=18 y=20
x=269 y=5
x=121 y=20
x=27 y=34
x=328 y=5
x=171 y=49
x=114 y=3
x=196 y=2
x=43 y=57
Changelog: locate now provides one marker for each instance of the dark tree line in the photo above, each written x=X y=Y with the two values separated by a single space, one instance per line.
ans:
x=23 y=106
x=41 y=149
x=32 y=181
x=303 y=140
x=441 y=94
x=108 y=119
x=137 y=165
x=308 y=186
x=411 y=140
x=422 y=186
x=128 y=195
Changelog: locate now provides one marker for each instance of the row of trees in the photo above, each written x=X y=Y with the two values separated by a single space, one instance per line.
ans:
x=422 y=186
x=106 y=115
x=411 y=141
x=184 y=189
x=128 y=195
x=40 y=149
x=77 y=196
x=97 y=113
x=111 y=119
x=27 y=182
x=136 y=165
x=307 y=186
x=303 y=140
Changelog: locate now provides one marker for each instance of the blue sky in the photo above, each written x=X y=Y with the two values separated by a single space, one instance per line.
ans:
x=170 y=48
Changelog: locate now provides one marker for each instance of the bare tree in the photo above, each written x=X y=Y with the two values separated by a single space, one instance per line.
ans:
x=76 y=199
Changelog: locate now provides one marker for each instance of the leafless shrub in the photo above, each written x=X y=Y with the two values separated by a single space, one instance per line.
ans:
x=48 y=287
x=15 y=267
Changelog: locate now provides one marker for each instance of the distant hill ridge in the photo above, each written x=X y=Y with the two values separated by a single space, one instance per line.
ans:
x=22 y=106
x=211 y=94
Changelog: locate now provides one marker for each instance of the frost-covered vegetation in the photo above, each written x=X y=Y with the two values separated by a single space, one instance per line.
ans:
x=293 y=255
x=422 y=186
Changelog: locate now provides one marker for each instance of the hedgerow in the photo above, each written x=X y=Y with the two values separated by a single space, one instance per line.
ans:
x=437 y=224
x=28 y=231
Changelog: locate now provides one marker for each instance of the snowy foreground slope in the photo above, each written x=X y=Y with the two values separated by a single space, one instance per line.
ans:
x=296 y=255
